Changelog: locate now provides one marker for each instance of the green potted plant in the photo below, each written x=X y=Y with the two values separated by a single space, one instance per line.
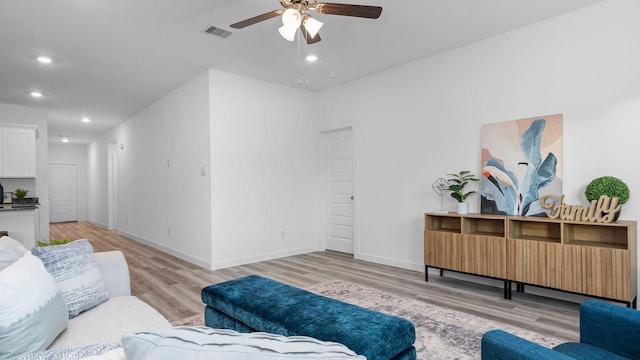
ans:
x=60 y=241
x=610 y=186
x=20 y=196
x=21 y=193
x=457 y=182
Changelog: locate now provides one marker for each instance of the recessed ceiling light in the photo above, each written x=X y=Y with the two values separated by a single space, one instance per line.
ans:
x=65 y=138
x=86 y=119
x=36 y=94
x=45 y=59
x=333 y=75
x=312 y=58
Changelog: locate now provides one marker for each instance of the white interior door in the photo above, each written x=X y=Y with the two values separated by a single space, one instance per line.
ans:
x=63 y=192
x=339 y=190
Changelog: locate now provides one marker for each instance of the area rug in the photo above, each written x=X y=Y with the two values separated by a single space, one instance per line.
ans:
x=441 y=333
x=189 y=321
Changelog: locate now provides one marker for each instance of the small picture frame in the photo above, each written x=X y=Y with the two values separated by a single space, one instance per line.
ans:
x=7 y=199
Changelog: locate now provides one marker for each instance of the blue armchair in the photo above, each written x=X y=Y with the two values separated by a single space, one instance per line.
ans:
x=607 y=331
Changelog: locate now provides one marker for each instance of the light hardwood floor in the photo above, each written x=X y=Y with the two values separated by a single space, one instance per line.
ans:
x=172 y=285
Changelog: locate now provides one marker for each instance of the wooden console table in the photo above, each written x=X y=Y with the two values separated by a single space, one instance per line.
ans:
x=594 y=259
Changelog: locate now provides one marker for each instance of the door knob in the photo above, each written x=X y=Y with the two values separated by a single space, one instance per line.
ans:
x=352 y=197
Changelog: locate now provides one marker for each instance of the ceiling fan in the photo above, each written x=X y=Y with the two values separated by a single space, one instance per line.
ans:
x=295 y=15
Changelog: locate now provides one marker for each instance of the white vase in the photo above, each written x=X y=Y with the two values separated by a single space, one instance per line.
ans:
x=463 y=208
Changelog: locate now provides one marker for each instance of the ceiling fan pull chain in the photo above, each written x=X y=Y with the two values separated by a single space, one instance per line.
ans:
x=299 y=64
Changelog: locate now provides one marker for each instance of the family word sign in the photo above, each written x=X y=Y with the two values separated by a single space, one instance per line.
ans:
x=602 y=210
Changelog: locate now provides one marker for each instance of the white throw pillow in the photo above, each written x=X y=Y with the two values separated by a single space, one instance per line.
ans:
x=14 y=244
x=77 y=274
x=32 y=311
x=7 y=256
x=201 y=342
x=10 y=251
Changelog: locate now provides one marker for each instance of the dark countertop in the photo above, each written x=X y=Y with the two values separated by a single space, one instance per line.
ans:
x=14 y=207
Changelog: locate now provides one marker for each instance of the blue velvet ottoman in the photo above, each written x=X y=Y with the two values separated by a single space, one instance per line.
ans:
x=254 y=303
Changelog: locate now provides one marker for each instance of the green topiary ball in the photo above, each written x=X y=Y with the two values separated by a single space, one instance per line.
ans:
x=607 y=185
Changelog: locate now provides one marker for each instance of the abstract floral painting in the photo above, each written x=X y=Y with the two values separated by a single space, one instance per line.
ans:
x=521 y=161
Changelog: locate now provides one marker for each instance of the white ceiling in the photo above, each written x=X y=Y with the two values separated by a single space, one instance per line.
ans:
x=116 y=57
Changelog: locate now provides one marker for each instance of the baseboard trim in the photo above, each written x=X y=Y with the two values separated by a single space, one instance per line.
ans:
x=168 y=250
x=98 y=224
x=389 y=262
x=216 y=265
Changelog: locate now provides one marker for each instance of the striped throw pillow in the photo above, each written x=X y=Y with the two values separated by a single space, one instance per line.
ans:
x=77 y=274
x=77 y=352
x=201 y=342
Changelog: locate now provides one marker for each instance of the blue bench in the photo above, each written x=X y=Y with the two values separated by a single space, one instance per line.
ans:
x=254 y=303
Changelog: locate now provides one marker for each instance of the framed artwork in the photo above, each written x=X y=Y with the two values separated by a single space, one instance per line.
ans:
x=521 y=161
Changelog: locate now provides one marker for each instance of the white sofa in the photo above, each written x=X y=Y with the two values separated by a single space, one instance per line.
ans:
x=34 y=314
x=121 y=314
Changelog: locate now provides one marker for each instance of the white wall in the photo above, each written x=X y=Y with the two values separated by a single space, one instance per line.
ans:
x=418 y=122
x=259 y=197
x=17 y=114
x=162 y=198
x=75 y=155
x=264 y=185
x=97 y=180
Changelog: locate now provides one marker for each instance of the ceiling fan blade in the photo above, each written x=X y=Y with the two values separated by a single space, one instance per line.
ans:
x=257 y=19
x=307 y=36
x=364 y=11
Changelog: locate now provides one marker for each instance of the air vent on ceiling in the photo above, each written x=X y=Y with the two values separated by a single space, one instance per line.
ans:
x=216 y=31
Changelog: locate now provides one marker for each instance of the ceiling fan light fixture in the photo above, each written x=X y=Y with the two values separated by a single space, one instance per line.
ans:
x=313 y=26
x=296 y=14
x=291 y=20
x=291 y=17
x=288 y=32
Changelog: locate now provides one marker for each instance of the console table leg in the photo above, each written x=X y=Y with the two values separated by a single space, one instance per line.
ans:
x=426 y=273
x=441 y=272
x=507 y=289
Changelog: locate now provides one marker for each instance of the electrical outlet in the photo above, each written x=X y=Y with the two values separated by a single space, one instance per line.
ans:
x=282 y=234
x=169 y=231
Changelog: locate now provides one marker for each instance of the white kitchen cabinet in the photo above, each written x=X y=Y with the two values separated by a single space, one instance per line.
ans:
x=22 y=225
x=17 y=152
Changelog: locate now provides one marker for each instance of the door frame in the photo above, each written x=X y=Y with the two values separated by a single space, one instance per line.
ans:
x=112 y=184
x=324 y=211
